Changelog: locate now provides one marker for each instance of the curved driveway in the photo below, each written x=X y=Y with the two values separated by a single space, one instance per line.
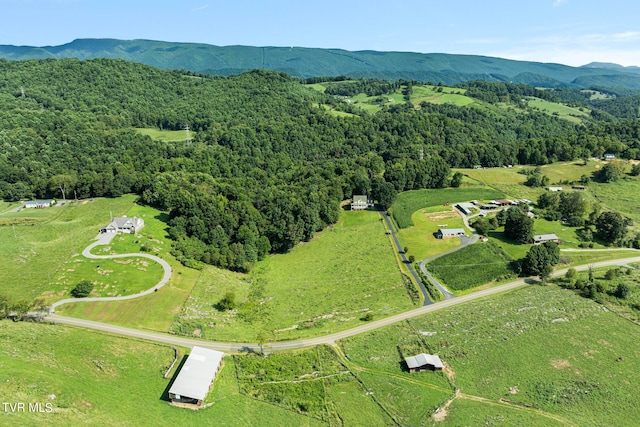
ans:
x=326 y=339
x=104 y=239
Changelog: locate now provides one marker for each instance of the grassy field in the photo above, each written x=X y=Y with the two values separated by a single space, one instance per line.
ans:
x=35 y=250
x=322 y=286
x=545 y=351
x=472 y=266
x=410 y=201
x=164 y=305
x=91 y=378
x=419 y=237
x=575 y=115
x=165 y=135
x=111 y=277
x=440 y=95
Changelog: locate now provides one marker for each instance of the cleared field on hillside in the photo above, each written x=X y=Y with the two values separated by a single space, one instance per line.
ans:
x=321 y=286
x=536 y=348
x=165 y=135
x=440 y=95
x=572 y=114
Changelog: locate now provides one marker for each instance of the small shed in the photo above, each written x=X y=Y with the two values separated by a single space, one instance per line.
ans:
x=445 y=233
x=609 y=156
x=424 y=362
x=543 y=238
x=554 y=189
x=192 y=384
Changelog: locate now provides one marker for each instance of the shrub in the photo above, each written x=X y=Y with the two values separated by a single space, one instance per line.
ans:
x=82 y=289
x=622 y=291
x=228 y=301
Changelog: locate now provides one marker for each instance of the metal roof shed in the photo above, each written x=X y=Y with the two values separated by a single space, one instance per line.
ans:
x=192 y=383
x=423 y=361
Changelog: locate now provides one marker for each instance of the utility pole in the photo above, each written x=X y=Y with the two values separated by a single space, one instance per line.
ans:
x=188 y=140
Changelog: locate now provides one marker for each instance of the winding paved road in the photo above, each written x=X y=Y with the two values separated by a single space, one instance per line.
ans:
x=105 y=239
x=326 y=339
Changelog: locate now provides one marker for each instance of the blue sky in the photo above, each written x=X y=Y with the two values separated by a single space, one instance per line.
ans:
x=573 y=32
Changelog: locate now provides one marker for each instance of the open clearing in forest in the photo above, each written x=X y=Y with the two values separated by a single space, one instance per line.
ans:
x=321 y=286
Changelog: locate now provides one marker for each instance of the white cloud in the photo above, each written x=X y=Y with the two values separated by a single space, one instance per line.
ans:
x=558 y=3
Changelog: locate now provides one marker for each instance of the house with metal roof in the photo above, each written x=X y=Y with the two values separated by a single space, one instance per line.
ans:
x=423 y=362
x=445 y=233
x=124 y=224
x=194 y=380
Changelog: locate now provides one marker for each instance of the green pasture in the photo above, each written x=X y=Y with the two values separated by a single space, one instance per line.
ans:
x=166 y=135
x=91 y=378
x=621 y=196
x=34 y=252
x=478 y=264
x=420 y=239
x=466 y=411
x=537 y=347
x=409 y=202
x=440 y=95
x=111 y=277
x=322 y=286
x=572 y=114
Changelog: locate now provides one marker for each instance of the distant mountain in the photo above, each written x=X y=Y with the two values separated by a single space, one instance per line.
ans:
x=610 y=66
x=312 y=62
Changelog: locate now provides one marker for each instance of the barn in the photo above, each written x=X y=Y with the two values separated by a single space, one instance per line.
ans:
x=192 y=384
x=445 y=233
x=423 y=362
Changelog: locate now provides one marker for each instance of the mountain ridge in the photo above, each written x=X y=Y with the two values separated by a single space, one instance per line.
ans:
x=314 y=62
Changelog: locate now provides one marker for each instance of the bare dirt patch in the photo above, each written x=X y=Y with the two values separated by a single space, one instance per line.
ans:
x=560 y=363
x=439 y=216
x=441 y=413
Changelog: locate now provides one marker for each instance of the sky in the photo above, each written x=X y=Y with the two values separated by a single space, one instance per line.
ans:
x=571 y=32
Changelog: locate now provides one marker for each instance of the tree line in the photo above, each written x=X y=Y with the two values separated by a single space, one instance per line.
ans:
x=267 y=167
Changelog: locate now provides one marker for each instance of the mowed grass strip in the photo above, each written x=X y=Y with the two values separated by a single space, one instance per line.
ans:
x=92 y=378
x=410 y=201
x=321 y=286
x=33 y=253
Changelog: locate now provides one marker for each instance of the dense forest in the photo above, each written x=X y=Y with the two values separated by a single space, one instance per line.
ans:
x=268 y=167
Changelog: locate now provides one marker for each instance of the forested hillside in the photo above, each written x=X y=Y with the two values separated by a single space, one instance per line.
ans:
x=312 y=62
x=268 y=166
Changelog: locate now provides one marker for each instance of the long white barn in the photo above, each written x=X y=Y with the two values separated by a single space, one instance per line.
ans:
x=192 y=384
